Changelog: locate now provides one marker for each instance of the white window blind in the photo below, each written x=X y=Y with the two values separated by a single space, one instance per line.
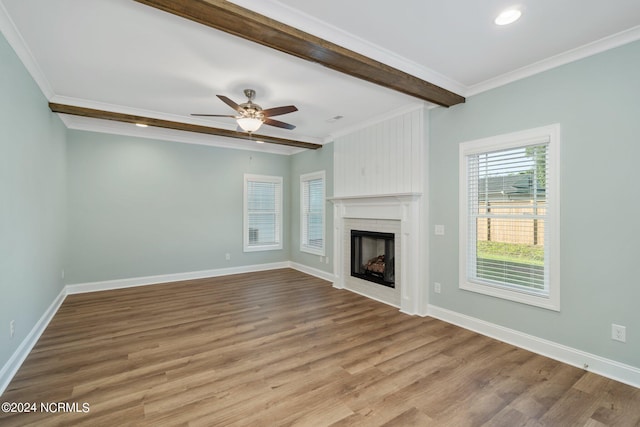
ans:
x=312 y=198
x=263 y=213
x=509 y=216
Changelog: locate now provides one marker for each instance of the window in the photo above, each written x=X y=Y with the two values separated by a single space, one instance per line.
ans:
x=509 y=204
x=312 y=212
x=262 y=213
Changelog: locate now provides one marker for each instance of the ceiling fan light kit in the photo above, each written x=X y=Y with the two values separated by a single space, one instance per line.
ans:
x=249 y=124
x=251 y=115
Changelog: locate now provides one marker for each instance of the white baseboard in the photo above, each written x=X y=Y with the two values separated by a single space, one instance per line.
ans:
x=80 y=288
x=10 y=368
x=329 y=277
x=599 y=365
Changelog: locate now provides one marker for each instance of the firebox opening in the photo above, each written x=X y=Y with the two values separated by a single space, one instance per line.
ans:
x=372 y=257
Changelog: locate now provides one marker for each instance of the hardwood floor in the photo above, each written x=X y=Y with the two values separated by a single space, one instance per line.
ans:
x=281 y=348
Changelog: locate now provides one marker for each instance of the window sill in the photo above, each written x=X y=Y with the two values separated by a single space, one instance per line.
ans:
x=550 y=302
x=262 y=248
x=312 y=251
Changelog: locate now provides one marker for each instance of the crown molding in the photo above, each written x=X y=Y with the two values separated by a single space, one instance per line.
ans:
x=19 y=45
x=599 y=46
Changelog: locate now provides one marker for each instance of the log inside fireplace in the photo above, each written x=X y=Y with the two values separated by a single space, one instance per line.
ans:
x=372 y=257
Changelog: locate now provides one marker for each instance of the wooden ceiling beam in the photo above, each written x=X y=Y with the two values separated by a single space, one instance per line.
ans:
x=128 y=118
x=230 y=18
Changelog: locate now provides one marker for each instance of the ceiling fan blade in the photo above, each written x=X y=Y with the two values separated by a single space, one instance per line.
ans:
x=276 y=111
x=278 y=124
x=230 y=103
x=212 y=115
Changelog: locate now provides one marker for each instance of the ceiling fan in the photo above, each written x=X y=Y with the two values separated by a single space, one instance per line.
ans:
x=251 y=116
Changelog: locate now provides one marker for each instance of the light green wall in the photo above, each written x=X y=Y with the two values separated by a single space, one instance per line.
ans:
x=301 y=163
x=597 y=103
x=32 y=209
x=141 y=207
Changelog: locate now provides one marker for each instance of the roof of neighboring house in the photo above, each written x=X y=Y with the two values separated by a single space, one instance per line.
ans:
x=508 y=187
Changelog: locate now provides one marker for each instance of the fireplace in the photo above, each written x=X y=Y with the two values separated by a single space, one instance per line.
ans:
x=373 y=257
x=400 y=216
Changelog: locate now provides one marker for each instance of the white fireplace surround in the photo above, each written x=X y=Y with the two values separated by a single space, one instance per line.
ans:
x=402 y=207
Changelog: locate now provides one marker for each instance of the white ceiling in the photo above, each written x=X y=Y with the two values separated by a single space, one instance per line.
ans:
x=123 y=56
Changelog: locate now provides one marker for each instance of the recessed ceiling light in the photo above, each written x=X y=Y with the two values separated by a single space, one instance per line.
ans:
x=141 y=125
x=507 y=17
x=259 y=142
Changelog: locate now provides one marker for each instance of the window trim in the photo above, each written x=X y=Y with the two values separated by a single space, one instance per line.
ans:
x=550 y=134
x=303 y=246
x=245 y=216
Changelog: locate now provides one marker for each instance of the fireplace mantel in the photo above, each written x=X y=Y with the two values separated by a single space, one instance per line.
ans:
x=380 y=198
x=376 y=206
x=377 y=196
x=402 y=207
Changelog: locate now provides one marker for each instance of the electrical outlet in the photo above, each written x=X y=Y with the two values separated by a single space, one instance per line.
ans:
x=437 y=287
x=326 y=260
x=618 y=333
x=227 y=256
x=62 y=273
x=12 y=328
x=321 y=259
x=439 y=230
